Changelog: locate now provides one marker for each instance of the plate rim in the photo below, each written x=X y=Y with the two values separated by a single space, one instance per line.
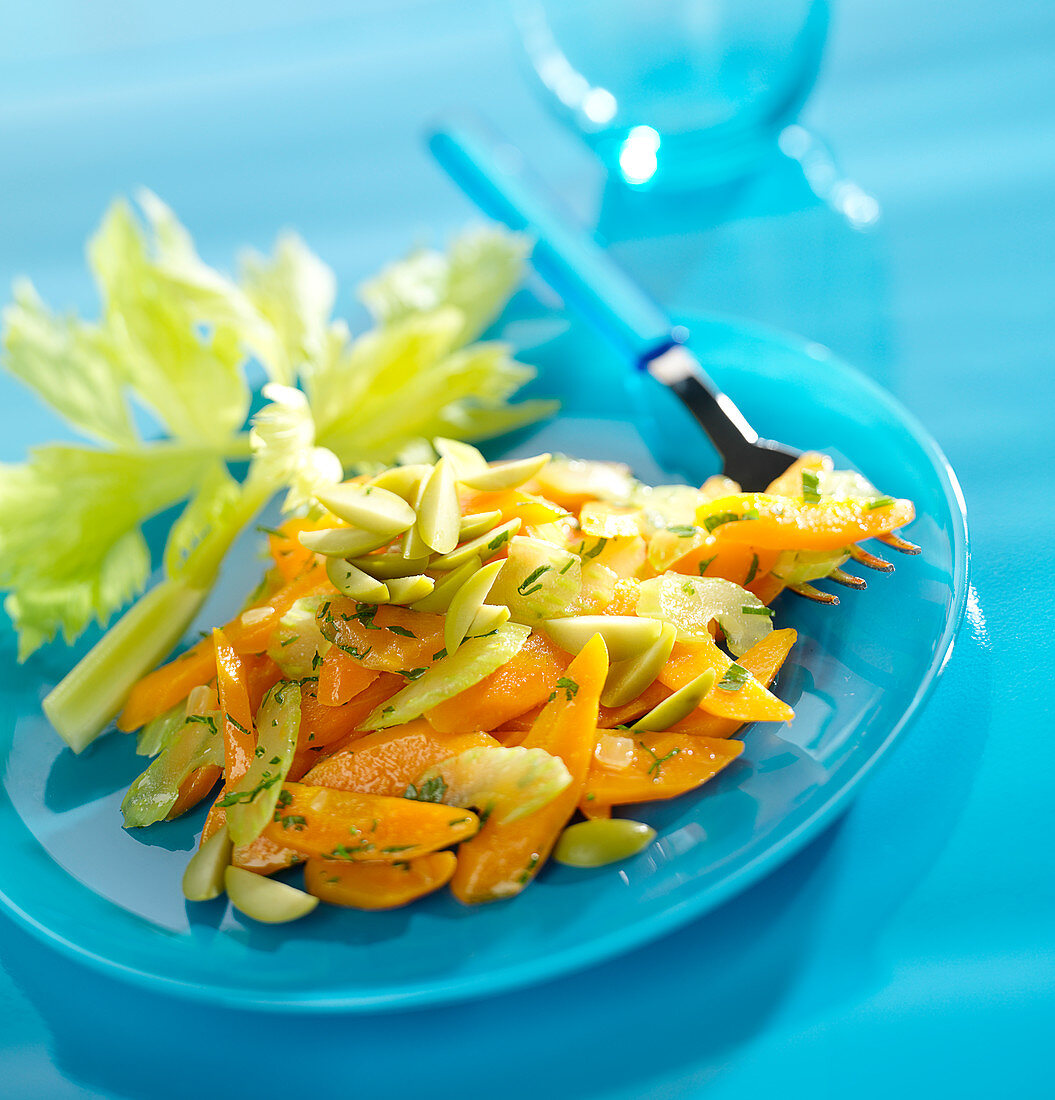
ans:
x=619 y=941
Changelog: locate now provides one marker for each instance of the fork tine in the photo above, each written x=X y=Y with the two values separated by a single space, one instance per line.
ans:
x=871 y=561
x=847 y=579
x=810 y=593
x=899 y=544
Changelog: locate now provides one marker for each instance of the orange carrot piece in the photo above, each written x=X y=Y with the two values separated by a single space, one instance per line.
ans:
x=284 y=545
x=750 y=703
x=526 y=680
x=664 y=765
x=239 y=737
x=264 y=856
x=193 y=789
x=393 y=639
x=261 y=675
x=766 y=587
x=783 y=524
x=378 y=885
x=321 y=822
x=502 y=859
x=342 y=677
x=763 y=661
x=387 y=761
x=624 y=602
x=728 y=560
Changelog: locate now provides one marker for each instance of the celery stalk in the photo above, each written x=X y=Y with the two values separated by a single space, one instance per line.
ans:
x=86 y=700
x=90 y=695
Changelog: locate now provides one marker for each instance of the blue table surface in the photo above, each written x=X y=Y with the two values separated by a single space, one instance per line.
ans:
x=909 y=949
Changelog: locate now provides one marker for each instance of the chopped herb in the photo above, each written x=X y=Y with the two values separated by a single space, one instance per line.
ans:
x=735 y=677
x=373 y=827
x=657 y=761
x=703 y=564
x=258 y=751
x=879 y=502
x=285 y=797
x=316 y=659
x=291 y=821
x=388 y=710
x=237 y=725
x=411 y=673
x=366 y=617
x=753 y=569
x=567 y=565
x=497 y=541
x=237 y=797
x=344 y=852
x=531 y=578
x=205 y=719
x=711 y=522
x=289 y=641
x=594 y=550
x=353 y=651
x=570 y=688
x=590 y=797
x=275 y=760
x=683 y=530
x=810 y=487
x=748 y=609
x=334 y=879
x=401 y=631
x=432 y=790
x=686 y=587
x=458 y=821
x=271 y=531
x=439 y=654
x=398 y=848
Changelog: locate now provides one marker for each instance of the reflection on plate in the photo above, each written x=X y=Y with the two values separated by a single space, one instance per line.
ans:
x=857 y=675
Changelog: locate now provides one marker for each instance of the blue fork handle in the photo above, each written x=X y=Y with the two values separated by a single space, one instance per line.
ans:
x=581 y=272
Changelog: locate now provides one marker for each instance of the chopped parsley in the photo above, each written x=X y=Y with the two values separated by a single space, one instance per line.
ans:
x=657 y=761
x=237 y=797
x=735 y=677
x=524 y=587
x=497 y=541
x=879 y=502
x=567 y=565
x=711 y=522
x=702 y=567
x=439 y=654
x=432 y=790
x=237 y=725
x=594 y=550
x=749 y=609
x=683 y=530
x=401 y=631
x=568 y=686
x=810 y=487
x=753 y=570
x=411 y=673
x=205 y=720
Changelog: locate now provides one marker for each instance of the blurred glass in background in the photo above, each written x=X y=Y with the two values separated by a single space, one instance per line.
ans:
x=676 y=93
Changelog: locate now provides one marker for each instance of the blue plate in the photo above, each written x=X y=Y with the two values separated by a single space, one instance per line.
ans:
x=856 y=677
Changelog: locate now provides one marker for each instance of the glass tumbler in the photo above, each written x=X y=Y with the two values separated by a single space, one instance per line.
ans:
x=676 y=93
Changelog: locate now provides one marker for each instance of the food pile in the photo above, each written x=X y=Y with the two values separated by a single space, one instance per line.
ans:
x=449 y=661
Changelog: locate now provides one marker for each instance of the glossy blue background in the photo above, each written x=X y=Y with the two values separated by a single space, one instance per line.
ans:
x=910 y=948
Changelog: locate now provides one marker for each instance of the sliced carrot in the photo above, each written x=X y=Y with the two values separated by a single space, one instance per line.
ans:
x=193 y=789
x=750 y=702
x=239 y=737
x=264 y=856
x=766 y=587
x=763 y=660
x=522 y=682
x=290 y=556
x=385 y=762
x=514 y=504
x=386 y=639
x=663 y=765
x=624 y=602
x=502 y=859
x=777 y=523
x=731 y=561
x=261 y=675
x=378 y=885
x=342 y=677
x=319 y=821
